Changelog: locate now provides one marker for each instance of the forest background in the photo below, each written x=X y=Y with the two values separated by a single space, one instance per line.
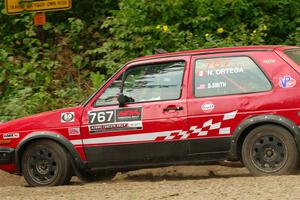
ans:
x=87 y=44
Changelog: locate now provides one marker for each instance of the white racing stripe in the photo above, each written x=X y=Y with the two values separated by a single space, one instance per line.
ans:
x=224 y=131
x=229 y=116
x=125 y=138
x=76 y=142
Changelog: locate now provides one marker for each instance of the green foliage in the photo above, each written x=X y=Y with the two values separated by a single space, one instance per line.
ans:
x=140 y=26
x=86 y=45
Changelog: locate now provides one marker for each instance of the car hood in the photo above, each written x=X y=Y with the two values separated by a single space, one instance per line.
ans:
x=46 y=120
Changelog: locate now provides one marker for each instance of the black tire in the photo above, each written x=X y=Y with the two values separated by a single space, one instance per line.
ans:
x=270 y=150
x=46 y=163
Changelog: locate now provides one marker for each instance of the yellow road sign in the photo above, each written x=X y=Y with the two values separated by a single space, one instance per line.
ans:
x=14 y=7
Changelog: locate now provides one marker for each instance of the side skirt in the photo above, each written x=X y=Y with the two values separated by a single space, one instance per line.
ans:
x=212 y=158
x=158 y=154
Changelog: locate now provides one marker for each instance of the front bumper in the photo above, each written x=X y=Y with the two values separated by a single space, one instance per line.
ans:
x=6 y=155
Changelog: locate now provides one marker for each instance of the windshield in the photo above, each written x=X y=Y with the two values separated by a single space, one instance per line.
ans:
x=294 y=54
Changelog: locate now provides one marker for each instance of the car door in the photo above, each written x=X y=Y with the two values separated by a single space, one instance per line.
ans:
x=150 y=125
x=224 y=87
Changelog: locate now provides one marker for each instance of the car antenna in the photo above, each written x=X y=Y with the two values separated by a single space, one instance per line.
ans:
x=160 y=51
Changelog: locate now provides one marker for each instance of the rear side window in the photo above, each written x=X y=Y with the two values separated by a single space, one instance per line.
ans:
x=227 y=76
x=294 y=55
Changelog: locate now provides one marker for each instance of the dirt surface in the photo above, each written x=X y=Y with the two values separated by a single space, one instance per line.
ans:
x=182 y=182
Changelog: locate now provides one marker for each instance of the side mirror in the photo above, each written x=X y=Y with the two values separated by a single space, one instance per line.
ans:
x=121 y=100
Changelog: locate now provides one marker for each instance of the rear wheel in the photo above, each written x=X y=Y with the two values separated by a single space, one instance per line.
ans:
x=270 y=150
x=45 y=163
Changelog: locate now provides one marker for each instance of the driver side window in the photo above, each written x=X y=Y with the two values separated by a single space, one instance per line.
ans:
x=154 y=82
x=110 y=95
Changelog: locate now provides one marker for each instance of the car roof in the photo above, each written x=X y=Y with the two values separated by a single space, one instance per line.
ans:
x=218 y=50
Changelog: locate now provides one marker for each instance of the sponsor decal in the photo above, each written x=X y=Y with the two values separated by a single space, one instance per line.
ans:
x=74 y=131
x=11 y=136
x=67 y=117
x=208 y=107
x=100 y=128
x=220 y=128
x=129 y=114
x=115 y=120
x=287 y=82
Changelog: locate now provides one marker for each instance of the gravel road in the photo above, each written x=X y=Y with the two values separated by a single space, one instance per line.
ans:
x=181 y=182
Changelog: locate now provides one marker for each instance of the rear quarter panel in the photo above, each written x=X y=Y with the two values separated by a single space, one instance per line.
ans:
x=283 y=99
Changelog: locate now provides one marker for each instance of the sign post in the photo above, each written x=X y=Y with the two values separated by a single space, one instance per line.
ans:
x=40 y=21
x=15 y=7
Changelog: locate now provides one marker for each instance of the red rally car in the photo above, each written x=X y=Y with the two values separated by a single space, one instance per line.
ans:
x=193 y=107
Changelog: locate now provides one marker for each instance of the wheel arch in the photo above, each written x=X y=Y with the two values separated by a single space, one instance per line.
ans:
x=36 y=136
x=251 y=123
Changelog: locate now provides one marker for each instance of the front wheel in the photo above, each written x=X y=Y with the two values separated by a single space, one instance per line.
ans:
x=45 y=163
x=270 y=150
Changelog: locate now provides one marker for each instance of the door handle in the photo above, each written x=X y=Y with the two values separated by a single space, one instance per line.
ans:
x=173 y=107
